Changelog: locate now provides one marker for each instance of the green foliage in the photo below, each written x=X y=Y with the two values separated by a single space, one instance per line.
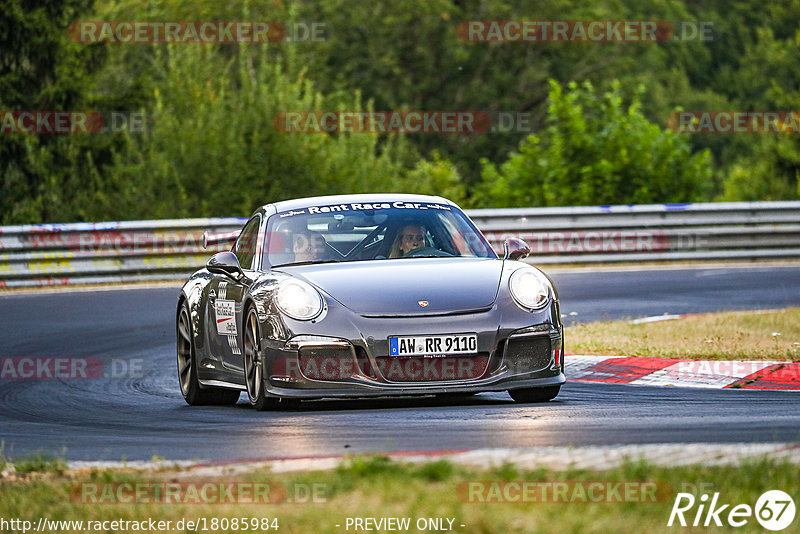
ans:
x=406 y=492
x=374 y=467
x=437 y=177
x=766 y=166
x=41 y=69
x=595 y=150
x=437 y=471
x=40 y=463
x=505 y=471
x=211 y=147
x=771 y=171
x=407 y=55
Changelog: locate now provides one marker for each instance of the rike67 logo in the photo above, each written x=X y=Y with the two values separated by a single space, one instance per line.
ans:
x=774 y=510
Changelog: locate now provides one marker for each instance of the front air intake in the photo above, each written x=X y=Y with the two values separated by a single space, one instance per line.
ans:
x=526 y=354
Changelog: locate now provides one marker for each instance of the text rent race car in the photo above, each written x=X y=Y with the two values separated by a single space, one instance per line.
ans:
x=366 y=295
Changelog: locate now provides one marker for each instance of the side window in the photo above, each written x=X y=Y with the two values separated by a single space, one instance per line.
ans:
x=245 y=247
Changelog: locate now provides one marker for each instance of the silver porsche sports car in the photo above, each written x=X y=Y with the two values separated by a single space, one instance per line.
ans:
x=363 y=296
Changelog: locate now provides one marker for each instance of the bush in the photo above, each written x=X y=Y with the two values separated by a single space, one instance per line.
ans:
x=213 y=149
x=40 y=463
x=595 y=150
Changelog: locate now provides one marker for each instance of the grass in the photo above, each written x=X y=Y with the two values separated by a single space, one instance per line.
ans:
x=767 y=335
x=380 y=487
x=38 y=463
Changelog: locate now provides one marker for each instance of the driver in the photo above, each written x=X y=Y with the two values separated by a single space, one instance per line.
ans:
x=309 y=246
x=410 y=237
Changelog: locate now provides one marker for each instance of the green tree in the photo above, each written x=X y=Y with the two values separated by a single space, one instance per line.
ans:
x=595 y=150
x=41 y=69
x=769 y=171
x=438 y=176
x=766 y=166
x=213 y=147
x=210 y=107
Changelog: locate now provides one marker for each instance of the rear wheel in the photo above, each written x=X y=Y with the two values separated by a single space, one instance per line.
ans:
x=193 y=393
x=528 y=395
x=254 y=370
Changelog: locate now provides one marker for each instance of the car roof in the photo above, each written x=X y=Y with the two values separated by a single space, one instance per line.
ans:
x=298 y=203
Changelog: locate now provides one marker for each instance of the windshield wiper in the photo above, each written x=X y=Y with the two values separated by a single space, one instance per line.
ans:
x=427 y=256
x=309 y=262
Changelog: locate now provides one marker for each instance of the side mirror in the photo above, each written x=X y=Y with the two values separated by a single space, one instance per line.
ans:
x=225 y=263
x=515 y=249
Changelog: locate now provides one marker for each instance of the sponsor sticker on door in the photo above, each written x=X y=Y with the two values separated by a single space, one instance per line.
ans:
x=226 y=321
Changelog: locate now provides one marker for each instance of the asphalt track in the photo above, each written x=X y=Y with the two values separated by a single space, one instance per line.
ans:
x=139 y=413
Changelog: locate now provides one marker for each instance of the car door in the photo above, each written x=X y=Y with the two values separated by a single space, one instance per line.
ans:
x=226 y=297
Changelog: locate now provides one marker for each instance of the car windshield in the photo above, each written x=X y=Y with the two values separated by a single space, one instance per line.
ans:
x=371 y=231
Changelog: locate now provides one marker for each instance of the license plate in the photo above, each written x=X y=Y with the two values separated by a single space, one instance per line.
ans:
x=433 y=345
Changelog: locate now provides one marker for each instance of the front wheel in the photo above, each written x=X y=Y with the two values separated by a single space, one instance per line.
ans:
x=254 y=369
x=528 y=395
x=193 y=393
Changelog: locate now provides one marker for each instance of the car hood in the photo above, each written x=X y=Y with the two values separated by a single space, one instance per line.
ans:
x=407 y=287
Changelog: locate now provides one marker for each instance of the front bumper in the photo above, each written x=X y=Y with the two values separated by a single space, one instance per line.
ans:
x=382 y=390
x=525 y=354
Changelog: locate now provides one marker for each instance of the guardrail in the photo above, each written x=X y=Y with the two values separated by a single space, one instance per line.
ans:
x=108 y=252
x=650 y=232
x=62 y=254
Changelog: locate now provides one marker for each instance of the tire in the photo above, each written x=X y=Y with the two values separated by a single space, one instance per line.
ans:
x=254 y=369
x=529 y=395
x=193 y=393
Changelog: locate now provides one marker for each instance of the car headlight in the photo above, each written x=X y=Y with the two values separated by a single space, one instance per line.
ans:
x=530 y=289
x=298 y=300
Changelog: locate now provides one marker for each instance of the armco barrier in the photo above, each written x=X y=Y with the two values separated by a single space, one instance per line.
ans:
x=651 y=232
x=59 y=254
x=62 y=254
